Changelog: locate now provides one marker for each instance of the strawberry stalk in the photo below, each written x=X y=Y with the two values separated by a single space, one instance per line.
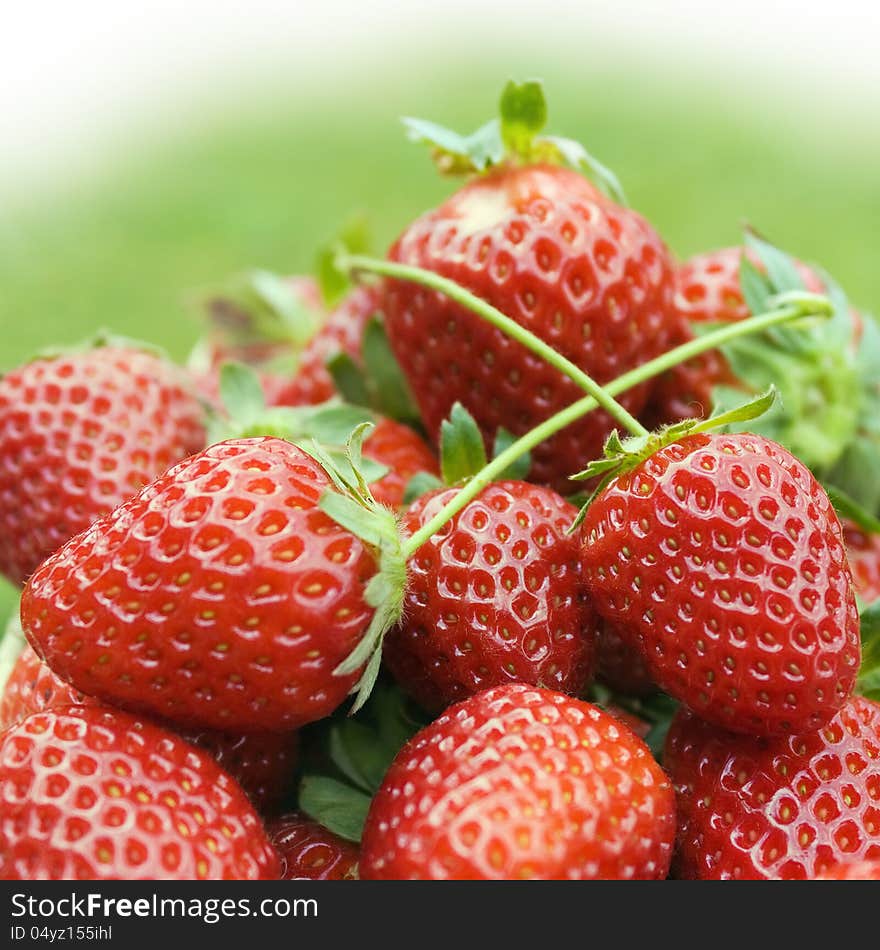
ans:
x=792 y=304
x=792 y=307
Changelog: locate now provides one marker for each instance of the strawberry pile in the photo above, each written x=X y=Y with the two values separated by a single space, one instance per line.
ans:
x=525 y=551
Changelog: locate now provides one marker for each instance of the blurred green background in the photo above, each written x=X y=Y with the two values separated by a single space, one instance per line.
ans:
x=268 y=174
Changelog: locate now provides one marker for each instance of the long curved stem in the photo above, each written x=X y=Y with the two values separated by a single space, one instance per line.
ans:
x=799 y=307
x=492 y=315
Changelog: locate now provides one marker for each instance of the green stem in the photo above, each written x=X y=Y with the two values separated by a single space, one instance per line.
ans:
x=492 y=315
x=802 y=306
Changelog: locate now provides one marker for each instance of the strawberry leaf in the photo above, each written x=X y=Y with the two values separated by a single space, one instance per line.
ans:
x=338 y=807
x=462 y=451
x=781 y=269
x=755 y=286
x=869 y=674
x=849 y=508
x=523 y=111
x=456 y=154
x=355 y=238
x=388 y=391
x=348 y=378
x=572 y=153
x=420 y=484
x=517 y=470
x=241 y=393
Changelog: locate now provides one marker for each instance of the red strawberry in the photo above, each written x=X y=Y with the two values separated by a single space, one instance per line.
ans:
x=308 y=851
x=89 y=793
x=786 y=807
x=221 y=596
x=519 y=782
x=343 y=331
x=403 y=452
x=854 y=871
x=80 y=434
x=620 y=663
x=261 y=762
x=589 y=277
x=641 y=727
x=722 y=556
x=492 y=598
x=863 y=551
x=707 y=291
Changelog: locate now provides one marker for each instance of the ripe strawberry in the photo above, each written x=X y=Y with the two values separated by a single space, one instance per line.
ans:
x=519 y=782
x=722 y=556
x=90 y=793
x=397 y=450
x=308 y=851
x=80 y=434
x=494 y=597
x=403 y=452
x=261 y=762
x=220 y=596
x=786 y=807
x=590 y=278
x=620 y=663
x=854 y=871
x=342 y=331
x=863 y=552
x=709 y=291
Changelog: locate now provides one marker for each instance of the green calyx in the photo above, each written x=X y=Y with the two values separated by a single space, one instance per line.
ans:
x=257 y=308
x=623 y=455
x=377 y=380
x=245 y=415
x=355 y=755
x=869 y=675
x=815 y=367
x=512 y=138
x=350 y=504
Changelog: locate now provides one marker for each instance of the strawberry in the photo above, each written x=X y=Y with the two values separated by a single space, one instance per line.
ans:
x=493 y=597
x=519 y=782
x=342 y=332
x=853 y=871
x=722 y=557
x=79 y=434
x=261 y=762
x=619 y=663
x=863 y=552
x=399 y=453
x=785 y=807
x=90 y=793
x=222 y=595
x=708 y=291
x=310 y=852
x=541 y=244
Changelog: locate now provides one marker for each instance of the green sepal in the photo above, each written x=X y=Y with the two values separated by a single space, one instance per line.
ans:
x=12 y=643
x=420 y=484
x=622 y=455
x=462 y=451
x=335 y=805
x=869 y=674
x=388 y=391
x=456 y=154
x=523 y=111
x=518 y=470
x=351 y=505
x=849 y=508
x=570 y=152
x=756 y=288
x=348 y=378
x=378 y=382
x=513 y=138
x=258 y=306
x=355 y=238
